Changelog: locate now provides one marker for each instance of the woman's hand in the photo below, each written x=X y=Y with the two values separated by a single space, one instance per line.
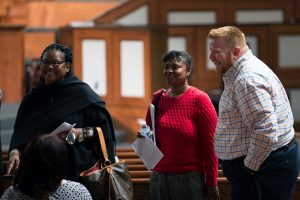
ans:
x=63 y=134
x=76 y=131
x=212 y=192
x=139 y=135
x=13 y=162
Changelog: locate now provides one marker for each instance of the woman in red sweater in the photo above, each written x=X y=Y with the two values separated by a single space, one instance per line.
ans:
x=185 y=128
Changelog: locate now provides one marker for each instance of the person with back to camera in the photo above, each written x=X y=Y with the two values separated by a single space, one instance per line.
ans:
x=185 y=127
x=35 y=73
x=61 y=97
x=42 y=172
x=255 y=135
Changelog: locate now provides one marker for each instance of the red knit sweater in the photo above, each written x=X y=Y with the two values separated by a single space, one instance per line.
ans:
x=185 y=131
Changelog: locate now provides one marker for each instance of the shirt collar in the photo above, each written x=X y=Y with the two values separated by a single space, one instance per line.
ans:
x=232 y=72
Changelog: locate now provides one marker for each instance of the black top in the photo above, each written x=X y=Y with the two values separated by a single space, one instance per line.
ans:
x=72 y=101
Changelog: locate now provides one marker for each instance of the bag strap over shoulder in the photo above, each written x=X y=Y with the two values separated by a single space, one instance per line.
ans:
x=155 y=102
x=103 y=146
x=157 y=96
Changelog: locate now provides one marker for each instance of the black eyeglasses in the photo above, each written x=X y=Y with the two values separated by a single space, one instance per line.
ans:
x=53 y=63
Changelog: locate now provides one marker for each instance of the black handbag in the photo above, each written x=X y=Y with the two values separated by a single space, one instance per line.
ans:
x=107 y=181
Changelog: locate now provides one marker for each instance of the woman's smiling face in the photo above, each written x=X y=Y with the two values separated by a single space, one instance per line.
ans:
x=176 y=72
x=54 y=66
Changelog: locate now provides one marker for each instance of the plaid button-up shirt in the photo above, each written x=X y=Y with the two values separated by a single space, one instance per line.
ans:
x=255 y=117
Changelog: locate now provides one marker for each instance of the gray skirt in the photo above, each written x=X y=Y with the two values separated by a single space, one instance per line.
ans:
x=183 y=186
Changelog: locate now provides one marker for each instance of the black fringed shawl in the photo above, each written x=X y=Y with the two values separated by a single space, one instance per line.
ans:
x=47 y=106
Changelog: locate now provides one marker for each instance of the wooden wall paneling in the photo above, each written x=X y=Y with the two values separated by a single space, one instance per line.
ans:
x=153 y=9
x=36 y=41
x=208 y=79
x=112 y=15
x=94 y=33
x=76 y=50
x=297 y=128
x=66 y=36
x=212 y=5
x=289 y=76
x=126 y=117
x=140 y=35
x=12 y=66
x=158 y=46
x=125 y=110
x=262 y=34
x=287 y=6
x=190 y=34
x=296 y=10
x=4 y=5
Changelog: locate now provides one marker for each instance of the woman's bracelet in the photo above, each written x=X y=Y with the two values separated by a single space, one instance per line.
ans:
x=88 y=132
x=80 y=137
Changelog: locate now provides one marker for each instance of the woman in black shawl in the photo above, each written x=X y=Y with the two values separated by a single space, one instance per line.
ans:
x=61 y=97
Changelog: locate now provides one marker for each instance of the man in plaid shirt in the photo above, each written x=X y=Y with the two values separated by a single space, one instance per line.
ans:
x=255 y=135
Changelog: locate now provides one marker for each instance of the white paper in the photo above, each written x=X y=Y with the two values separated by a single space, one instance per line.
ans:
x=152 y=114
x=65 y=126
x=147 y=151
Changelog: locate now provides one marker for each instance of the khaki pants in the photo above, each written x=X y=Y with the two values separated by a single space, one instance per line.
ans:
x=184 y=186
